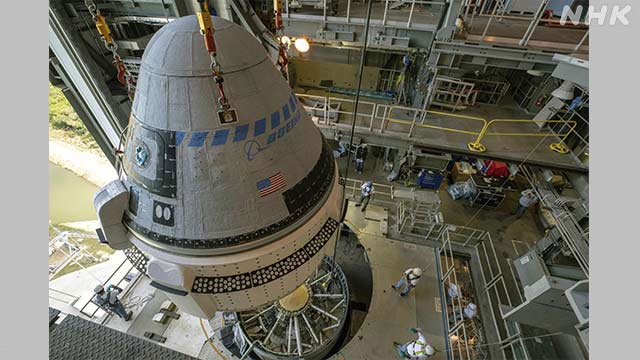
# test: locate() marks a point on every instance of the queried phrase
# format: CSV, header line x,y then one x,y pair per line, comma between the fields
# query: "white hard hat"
x,y
417,271
429,350
98,289
472,306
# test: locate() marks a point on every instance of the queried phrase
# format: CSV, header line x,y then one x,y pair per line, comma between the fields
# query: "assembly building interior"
x,y
322,179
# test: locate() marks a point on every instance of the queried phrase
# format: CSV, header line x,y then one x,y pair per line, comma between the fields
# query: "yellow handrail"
x,y
475,145
559,147
418,111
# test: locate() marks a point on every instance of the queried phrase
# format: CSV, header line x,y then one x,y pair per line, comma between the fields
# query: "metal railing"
x,y
452,93
488,91
117,277
492,289
366,110
398,13
417,216
559,146
382,195
577,141
567,226
326,111
317,107
420,119
464,336
62,296
496,12
389,79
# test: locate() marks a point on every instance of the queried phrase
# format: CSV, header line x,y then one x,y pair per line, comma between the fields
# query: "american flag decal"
x,y
270,185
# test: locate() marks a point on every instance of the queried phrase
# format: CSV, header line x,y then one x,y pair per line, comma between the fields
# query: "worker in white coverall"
x,y
527,199
415,350
365,194
469,312
453,292
108,301
409,280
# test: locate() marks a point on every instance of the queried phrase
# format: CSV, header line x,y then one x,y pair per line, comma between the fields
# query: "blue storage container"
x,y
430,179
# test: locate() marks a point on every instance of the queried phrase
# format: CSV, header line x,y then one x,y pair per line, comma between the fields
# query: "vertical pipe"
x,y
413,123
327,106
486,28
413,3
384,16
581,41
504,9
324,12
532,25
473,16
348,10
373,114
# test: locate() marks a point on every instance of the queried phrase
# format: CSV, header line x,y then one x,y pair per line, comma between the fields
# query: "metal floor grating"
x,y
79,339
53,315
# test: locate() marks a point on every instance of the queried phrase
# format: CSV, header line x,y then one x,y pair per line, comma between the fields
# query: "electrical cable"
x,y
138,301
353,123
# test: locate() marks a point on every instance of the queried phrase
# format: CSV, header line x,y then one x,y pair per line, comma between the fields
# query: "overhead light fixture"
x,y
565,91
302,45
536,73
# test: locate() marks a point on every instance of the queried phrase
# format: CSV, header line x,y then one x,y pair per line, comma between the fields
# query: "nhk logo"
x,y
617,14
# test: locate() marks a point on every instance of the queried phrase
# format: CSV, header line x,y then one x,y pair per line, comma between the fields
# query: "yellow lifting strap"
x,y
103,28
206,26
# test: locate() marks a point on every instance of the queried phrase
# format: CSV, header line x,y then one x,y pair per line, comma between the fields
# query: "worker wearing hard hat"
x,y
108,301
453,292
361,156
365,194
527,199
409,280
469,312
415,350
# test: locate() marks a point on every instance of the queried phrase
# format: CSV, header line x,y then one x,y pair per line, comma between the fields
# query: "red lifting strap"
x,y
209,42
283,56
279,19
121,72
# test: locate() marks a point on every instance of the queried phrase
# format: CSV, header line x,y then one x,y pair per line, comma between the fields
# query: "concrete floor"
x,y
511,237
390,316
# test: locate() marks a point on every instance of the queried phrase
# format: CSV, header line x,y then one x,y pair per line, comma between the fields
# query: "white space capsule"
x,y
220,215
